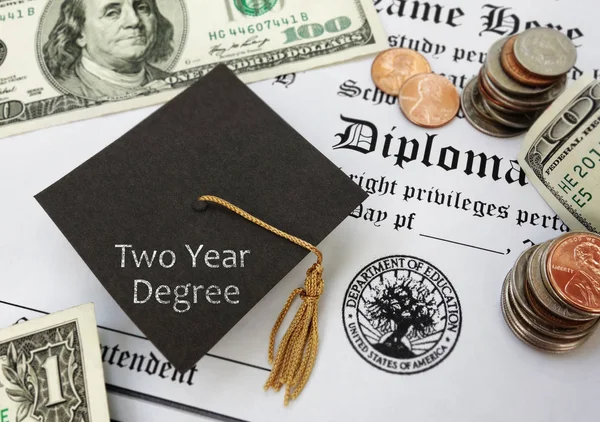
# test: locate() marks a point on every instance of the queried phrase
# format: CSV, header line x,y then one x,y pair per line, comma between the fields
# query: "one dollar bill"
x,y
51,369
561,155
67,60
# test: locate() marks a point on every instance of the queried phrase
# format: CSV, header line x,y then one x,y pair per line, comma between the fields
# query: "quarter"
x,y
494,70
545,52
511,65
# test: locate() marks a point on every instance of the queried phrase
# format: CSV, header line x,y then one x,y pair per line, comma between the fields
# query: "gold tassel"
x,y
297,352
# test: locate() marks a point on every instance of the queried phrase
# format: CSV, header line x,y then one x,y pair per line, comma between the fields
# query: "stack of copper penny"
x,y
425,98
551,298
521,77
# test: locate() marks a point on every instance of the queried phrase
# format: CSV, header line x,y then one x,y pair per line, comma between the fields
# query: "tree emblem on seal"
x,y
406,312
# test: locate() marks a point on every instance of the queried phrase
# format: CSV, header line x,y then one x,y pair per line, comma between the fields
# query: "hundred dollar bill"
x,y
561,155
67,60
51,369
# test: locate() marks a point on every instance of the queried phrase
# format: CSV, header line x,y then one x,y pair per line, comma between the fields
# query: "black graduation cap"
x,y
128,212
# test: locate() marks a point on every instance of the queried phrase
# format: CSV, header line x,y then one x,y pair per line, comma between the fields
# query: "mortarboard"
x,y
131,213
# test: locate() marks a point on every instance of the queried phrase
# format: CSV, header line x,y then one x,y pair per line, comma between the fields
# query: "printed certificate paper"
x,y
448,214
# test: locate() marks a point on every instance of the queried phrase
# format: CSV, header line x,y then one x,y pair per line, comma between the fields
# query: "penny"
x,y
511,65
392,67
429,100
493,69
548,284
573,268
545,298
545,52
479,121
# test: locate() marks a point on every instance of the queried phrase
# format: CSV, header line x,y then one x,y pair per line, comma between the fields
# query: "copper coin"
x,y
539,318
573,268
551,318
392,67
511,65
429,100
493,101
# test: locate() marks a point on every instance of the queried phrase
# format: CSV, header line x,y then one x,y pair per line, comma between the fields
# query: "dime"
x,y
573,268
545,52
511,66
429,100
545,298
479,121
392,67
495,72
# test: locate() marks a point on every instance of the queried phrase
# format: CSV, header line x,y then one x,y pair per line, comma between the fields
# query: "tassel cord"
x,y
296,355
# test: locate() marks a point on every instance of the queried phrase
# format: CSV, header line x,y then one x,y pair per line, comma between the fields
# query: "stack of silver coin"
x,y
551,297
521,77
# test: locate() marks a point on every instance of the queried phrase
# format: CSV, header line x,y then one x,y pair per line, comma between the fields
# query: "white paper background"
x,y
489,376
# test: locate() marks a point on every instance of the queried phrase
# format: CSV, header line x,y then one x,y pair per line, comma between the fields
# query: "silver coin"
x,y
525,334
478,102
545,52
543,326
501,108
495,71
517,121
479,121
539,289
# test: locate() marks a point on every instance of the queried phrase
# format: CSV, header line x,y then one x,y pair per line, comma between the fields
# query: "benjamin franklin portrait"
x,y
103,49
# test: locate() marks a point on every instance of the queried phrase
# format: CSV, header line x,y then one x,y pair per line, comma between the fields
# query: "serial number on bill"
x,y
17,14
258,27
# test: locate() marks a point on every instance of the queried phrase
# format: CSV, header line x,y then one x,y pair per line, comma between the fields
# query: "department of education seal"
x,y
2,52
402,314
254,7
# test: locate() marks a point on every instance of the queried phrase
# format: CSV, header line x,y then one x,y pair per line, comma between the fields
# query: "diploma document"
x,y
449,212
